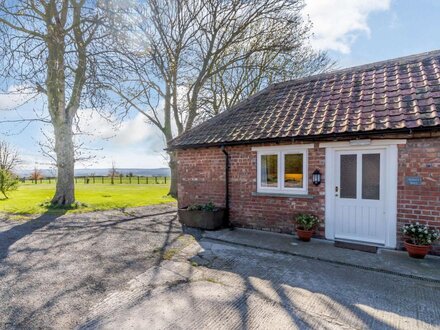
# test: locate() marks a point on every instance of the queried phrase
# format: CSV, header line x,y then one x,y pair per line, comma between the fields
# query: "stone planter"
x,y
208,220
304,235
417,251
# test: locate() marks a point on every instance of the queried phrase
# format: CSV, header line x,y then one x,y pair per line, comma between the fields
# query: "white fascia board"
x,y
288,147
373,143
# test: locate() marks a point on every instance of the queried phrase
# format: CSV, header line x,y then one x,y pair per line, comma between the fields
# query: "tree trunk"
x,y
64,149
173,167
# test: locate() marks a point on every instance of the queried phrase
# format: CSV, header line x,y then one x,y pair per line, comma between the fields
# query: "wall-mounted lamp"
x,y
316,177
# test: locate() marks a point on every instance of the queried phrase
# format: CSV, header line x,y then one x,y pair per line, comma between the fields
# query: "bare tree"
x,y
56,48
36,174
113,173
193,58
9,157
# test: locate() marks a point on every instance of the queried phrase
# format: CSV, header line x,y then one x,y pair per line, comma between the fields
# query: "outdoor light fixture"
x,y
316,177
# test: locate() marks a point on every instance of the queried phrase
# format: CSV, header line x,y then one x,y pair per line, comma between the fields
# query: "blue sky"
x,y
354,32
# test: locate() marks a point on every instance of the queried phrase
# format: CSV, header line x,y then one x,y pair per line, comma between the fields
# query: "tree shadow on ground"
x,y
320,295
56,267
19,231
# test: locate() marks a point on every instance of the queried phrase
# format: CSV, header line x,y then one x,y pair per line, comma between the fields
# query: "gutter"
x,y
226,184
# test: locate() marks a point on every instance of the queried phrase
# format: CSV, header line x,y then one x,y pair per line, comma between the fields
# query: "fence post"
x,y
138,179
155,179
165,179
76,180
49,180
129,179
147,179
102,179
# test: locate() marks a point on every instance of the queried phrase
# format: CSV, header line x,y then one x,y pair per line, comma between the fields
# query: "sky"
x,y
353,32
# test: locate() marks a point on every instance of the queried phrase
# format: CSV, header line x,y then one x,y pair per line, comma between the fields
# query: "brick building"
x,y
372,133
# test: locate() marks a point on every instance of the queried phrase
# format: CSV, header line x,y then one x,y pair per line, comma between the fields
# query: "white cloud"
x,y
130,143
130,131
129,157
134,130
337,23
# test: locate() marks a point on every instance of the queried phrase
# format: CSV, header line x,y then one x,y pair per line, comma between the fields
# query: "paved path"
x,y
389,261
243,288
52,270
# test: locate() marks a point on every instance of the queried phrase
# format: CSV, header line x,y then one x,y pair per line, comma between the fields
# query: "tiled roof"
x,y
403,93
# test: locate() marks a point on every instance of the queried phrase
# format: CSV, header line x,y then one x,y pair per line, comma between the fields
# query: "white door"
x,y
359,213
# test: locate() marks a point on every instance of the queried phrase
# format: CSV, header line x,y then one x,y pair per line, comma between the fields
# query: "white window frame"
x,y
281,151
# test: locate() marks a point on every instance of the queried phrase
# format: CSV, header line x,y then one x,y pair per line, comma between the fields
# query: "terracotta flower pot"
x,y
417,251
304,235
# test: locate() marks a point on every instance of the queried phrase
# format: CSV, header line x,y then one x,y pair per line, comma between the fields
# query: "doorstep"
x,y
387,261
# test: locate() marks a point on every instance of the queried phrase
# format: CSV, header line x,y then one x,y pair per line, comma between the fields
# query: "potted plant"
x,y
419,239
305,226
204,216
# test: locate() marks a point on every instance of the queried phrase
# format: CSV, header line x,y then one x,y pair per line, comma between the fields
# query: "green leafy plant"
x,y
306,221
8,182
210,207
419,234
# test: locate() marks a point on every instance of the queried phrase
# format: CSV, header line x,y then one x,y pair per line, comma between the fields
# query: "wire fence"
x,y
104,180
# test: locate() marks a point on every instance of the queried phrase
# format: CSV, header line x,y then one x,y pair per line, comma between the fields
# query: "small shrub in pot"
x,y
419,239
204,216
305,226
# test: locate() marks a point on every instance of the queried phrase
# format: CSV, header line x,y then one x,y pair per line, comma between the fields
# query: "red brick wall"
x,y
202,175
201,179
419,157
264,212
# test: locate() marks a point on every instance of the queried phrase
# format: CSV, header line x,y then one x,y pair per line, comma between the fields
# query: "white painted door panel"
x,y
359,196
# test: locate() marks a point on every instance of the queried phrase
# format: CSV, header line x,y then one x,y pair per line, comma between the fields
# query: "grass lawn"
x,y
29,197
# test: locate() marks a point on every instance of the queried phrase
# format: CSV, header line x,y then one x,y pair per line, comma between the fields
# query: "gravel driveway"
x,y
136,270
53,269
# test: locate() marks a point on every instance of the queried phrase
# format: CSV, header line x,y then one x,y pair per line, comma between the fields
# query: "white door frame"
x,y
390,184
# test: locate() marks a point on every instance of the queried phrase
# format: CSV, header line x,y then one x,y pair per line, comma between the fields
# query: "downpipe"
x,y
227,166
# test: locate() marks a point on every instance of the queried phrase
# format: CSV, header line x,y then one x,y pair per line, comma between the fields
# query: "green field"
x,y
28,199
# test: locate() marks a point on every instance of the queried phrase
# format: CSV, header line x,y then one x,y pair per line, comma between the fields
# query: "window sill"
x,y
268,194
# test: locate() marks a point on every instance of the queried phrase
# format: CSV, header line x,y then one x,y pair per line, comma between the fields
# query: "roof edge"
x,y
309,137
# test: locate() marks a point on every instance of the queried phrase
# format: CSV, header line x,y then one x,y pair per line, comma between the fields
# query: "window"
x,y
282,170
269,170
293,170
349,171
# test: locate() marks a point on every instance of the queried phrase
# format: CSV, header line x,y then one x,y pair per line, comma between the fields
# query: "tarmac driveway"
x,y
52,270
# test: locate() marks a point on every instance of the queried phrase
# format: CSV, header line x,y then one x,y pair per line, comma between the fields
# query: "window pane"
x,y
269,170
293,171
371,176
348,176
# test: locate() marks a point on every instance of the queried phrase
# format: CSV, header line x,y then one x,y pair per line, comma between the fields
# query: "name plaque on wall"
x,y
413,181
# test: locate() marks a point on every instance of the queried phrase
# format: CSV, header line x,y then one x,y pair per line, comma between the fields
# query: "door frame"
x,y
390,183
